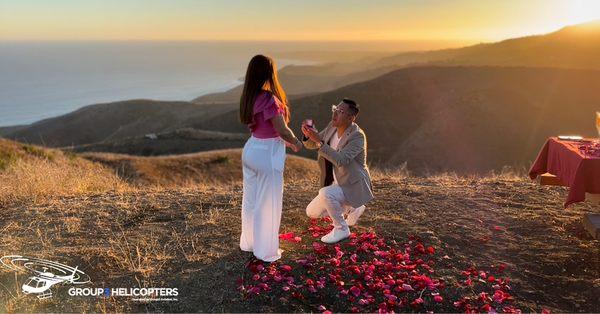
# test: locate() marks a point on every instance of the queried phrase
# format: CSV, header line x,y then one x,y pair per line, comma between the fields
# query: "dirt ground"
x,y
188,238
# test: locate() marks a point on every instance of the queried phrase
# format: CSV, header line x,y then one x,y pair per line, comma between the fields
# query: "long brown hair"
x,y
261,75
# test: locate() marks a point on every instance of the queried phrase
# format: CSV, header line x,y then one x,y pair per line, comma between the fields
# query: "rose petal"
x,y
286,268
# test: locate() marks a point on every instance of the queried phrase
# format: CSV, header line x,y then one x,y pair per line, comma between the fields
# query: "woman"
x,y
264,109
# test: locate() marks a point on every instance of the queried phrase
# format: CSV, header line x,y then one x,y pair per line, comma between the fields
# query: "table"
x,y
574,163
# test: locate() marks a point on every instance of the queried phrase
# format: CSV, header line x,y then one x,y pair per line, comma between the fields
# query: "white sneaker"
x,y
336,235
353,216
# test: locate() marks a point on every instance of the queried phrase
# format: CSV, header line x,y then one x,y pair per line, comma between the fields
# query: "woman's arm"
x,y
285,132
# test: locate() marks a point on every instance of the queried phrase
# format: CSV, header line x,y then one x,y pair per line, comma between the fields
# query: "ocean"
x,y
46,79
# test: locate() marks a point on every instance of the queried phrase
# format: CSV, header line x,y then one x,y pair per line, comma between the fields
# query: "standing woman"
x,y
264,109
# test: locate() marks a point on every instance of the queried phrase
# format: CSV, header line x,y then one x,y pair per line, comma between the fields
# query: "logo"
x,y
43,274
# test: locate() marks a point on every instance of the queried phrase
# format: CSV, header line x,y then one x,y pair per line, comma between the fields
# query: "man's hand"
x,y
311,133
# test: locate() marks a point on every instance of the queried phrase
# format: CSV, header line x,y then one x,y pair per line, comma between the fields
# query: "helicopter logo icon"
x,y
44,274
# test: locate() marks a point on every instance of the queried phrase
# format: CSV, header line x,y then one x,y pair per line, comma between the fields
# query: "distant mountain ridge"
x,y
305,80
114,121
436,117
576,46
464,119
180,141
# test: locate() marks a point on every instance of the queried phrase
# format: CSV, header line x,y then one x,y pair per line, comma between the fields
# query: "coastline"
x,y
187,92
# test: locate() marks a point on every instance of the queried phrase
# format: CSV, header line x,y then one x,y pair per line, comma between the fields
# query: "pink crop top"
x,y
266,106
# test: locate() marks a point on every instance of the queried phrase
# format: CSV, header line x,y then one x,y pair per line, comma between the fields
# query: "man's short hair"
x,y
352,105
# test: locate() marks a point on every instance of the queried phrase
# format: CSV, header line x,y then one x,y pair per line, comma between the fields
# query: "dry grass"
x,y
199,170
36,179
187,236
33,173
144,256
191,247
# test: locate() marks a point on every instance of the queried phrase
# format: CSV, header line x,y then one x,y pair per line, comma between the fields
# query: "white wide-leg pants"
x,y
263,162
330,202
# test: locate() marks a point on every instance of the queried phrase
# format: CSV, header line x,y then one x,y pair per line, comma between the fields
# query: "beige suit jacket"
x,y
349,163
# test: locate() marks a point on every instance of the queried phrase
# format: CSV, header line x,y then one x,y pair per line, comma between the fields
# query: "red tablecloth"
x,y
575,163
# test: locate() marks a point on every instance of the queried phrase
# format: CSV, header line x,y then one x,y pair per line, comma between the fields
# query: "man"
x,y
345,179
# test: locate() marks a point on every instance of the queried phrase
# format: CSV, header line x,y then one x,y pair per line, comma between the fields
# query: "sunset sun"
x,y
581,11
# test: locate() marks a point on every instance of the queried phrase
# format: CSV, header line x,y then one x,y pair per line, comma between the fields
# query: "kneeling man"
x,y
345,179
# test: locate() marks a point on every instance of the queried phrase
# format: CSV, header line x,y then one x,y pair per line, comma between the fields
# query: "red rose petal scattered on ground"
x,y
417,302
367,273
286,268
501,267
290,237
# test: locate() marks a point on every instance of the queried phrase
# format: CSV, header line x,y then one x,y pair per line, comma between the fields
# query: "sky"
x,y
308,20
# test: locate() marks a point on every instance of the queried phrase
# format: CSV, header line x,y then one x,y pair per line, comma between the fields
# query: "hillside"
x,y
469,119
9,129
30,172
180,141
307,79
186,236
576,46
463,119
205,168
114,121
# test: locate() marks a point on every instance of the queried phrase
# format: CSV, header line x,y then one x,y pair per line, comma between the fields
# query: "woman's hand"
x,y
296,147
311,133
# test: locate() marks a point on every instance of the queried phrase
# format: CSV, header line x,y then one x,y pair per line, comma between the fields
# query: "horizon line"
x,y
241,40
464,40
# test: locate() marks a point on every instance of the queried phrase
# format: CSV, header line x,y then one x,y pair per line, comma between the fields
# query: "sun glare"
x,y
581,11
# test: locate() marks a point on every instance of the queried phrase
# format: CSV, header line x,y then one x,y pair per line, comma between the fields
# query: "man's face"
x,y
341,115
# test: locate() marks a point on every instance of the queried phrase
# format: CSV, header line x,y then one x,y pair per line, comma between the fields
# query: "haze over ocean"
x,y
45,79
